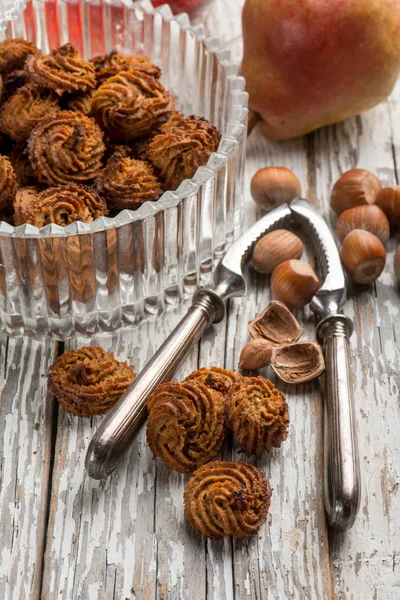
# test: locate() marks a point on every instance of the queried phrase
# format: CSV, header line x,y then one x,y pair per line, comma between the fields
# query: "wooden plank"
x,y
26,420
364,561
101,541
289,557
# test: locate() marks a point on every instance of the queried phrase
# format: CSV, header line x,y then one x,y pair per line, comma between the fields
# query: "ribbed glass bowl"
x,y
114,272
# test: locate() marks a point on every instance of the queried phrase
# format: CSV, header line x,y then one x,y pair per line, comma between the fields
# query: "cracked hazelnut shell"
x,y
276,324
298,362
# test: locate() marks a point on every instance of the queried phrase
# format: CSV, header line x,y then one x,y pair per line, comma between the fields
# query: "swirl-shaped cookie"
x,y
108,65
61,71
61,205
185,425
13,54
8,184
66,147
180,148
215,378
130,104
258,415
227,498
127,183
25,109
89,381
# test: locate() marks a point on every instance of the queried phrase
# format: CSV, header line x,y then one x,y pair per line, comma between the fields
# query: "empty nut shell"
x,y
367,217
130,105
66,147
274,248
363,256
215,378
8,183
61,205
299,362
89,381
128,183
256,354
276,324
388,200
227,498
61,71
13,54
294,283
185,425
25,109
258,415
181,147
355,187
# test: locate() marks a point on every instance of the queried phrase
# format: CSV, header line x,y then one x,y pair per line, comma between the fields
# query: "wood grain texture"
x,y
127,538
26,419
365,561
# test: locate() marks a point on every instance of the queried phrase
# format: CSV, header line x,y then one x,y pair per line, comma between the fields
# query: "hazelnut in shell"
x,y
276,324
397,263
363,256
368,217
256,354
294,283
273,186
388,200
354,188
299,362
274,248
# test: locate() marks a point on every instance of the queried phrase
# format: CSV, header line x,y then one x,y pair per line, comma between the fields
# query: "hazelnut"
x,y
368,217
273,186
388,200
363,256
256,354
397,262
354,188
294,283
299,362
274,248
276,324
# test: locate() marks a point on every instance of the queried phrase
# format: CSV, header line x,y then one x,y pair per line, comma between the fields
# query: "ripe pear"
x,y
309,63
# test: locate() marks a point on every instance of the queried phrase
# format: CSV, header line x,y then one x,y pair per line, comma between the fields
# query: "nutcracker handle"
x,y
341,460
117,431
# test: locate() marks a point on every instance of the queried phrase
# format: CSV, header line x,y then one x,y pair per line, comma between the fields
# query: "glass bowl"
x,y
115,272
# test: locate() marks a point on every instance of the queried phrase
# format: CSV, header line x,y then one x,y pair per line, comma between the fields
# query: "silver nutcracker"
x,y
341,462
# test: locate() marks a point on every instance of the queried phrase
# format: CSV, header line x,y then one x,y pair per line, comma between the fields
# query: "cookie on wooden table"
x,y
89,381
258,415
185,424
227,498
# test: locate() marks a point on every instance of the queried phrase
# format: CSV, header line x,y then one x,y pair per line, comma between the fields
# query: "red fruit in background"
x,y
309,63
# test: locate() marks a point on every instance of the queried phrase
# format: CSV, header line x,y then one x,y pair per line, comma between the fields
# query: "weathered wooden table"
x,y
65,536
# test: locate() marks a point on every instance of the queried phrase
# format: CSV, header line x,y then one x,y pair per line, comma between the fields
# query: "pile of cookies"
x,y
80,139
187,424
